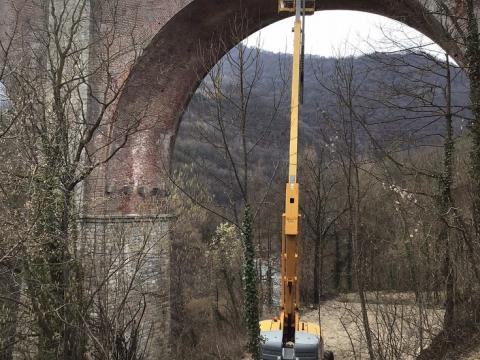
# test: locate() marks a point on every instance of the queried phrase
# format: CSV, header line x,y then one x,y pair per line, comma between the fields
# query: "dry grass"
x,y
207,333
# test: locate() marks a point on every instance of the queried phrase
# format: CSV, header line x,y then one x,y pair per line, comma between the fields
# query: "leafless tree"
x,y
62,96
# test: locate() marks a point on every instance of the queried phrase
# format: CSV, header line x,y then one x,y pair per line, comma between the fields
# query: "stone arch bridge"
x,y
180,41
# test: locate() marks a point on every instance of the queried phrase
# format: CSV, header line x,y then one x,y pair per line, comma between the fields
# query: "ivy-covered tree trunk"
x,y
473,70
445,207
52,273
251,294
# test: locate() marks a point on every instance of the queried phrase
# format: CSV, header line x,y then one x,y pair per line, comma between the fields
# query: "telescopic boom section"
x,y
290,219
295,101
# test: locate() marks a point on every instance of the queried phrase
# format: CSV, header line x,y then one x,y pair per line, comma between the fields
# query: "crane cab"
x,y
289,6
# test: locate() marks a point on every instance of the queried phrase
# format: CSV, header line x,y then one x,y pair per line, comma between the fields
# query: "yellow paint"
x,y
270,325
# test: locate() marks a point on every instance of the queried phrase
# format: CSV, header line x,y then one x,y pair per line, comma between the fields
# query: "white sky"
x,y
331,33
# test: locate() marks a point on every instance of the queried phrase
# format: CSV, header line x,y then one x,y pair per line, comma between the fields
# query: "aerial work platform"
x,y
289,6
289,338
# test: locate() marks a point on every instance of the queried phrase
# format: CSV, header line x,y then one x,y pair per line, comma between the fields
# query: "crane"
x,y
288,337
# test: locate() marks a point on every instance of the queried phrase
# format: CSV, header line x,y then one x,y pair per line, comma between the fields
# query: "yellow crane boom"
x,y
288,337
290,219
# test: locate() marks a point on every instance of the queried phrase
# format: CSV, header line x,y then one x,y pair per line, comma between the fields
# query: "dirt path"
x,y
395,327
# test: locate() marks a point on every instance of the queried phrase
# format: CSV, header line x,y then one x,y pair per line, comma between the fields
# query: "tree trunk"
x,y
11,281
473,69
338,263
251,293
316,270
446,206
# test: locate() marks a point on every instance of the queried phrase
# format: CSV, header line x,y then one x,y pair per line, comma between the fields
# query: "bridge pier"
x,y
127,267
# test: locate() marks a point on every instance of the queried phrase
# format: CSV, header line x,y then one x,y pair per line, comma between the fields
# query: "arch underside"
x,y
190,44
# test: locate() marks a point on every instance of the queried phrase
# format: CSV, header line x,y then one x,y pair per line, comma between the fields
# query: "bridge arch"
x,y
167,74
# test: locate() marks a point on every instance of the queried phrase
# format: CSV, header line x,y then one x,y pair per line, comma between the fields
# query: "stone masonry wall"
x,y
127,262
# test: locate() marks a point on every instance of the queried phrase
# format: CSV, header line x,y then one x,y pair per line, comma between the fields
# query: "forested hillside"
x,y
394,120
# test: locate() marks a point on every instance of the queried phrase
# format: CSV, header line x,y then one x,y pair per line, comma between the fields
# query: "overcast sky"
x,y
330,33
